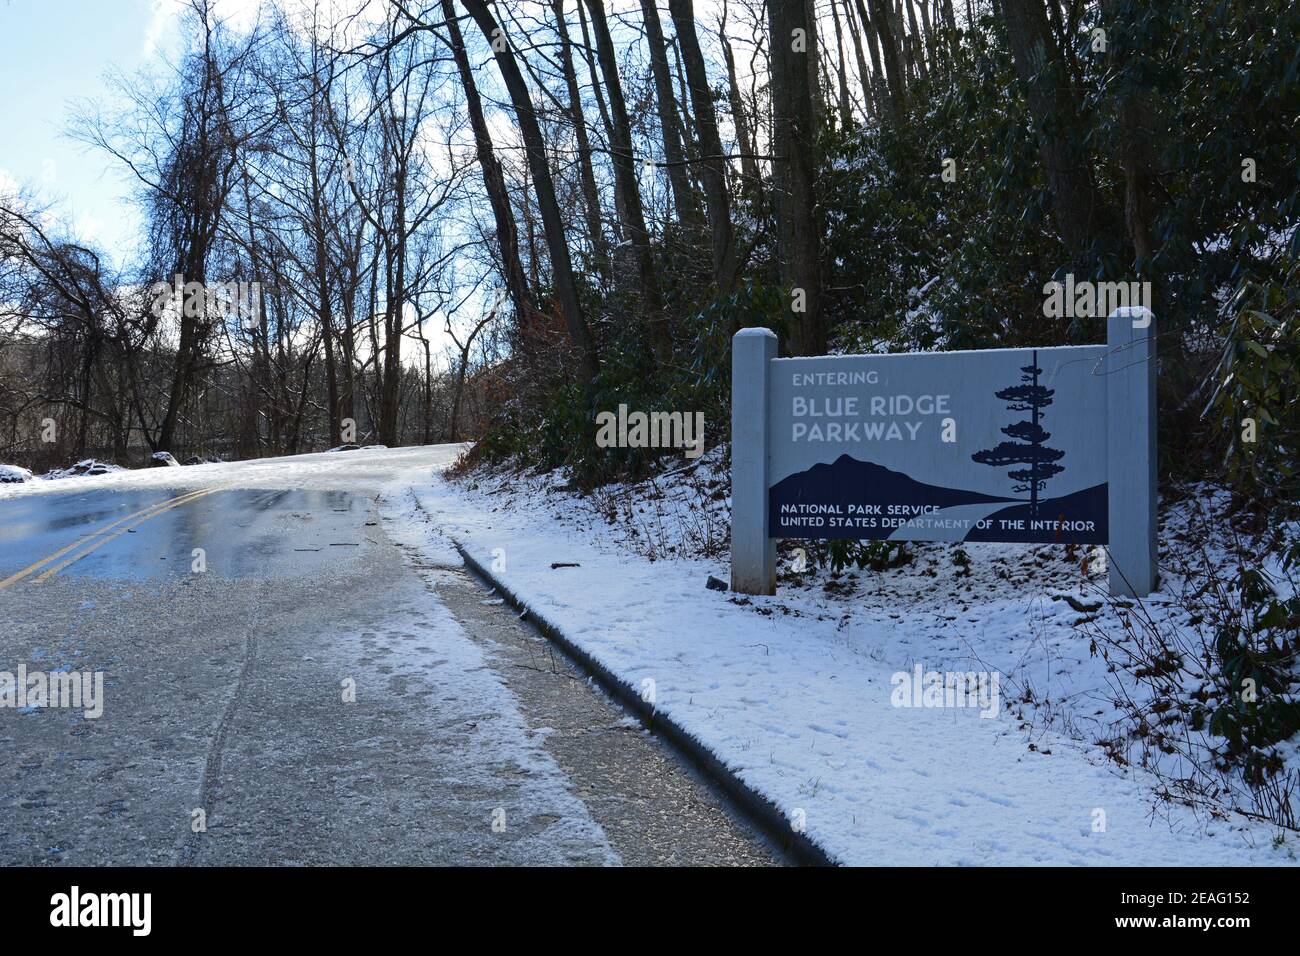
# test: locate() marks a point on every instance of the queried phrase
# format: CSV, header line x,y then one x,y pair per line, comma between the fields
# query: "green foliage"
x,y
556,426
914,262
1256,654
911,261
1257,409
922,263
840,554
1258,395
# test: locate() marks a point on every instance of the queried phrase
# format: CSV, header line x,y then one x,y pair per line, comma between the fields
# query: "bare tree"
x,y
507,235
882,21
544,188
713,164
1077,205
586,171
670,124
625,183
793,165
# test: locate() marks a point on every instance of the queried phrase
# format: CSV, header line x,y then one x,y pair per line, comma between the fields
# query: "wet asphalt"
x,y
286,685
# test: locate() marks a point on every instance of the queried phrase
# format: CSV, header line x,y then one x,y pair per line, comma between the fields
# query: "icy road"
x,y
284,682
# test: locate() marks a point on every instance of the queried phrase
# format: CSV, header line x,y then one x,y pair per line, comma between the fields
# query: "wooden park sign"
x,y
1037,446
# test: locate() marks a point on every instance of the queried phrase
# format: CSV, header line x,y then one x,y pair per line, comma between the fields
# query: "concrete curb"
x,y
766,815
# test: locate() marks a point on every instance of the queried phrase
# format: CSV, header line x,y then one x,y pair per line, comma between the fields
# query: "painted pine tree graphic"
x,y
1029,446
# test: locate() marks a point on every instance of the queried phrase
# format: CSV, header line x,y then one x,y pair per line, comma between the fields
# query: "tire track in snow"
x,y
212,767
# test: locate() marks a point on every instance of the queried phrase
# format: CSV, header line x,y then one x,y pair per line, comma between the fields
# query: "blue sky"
x,y
52,53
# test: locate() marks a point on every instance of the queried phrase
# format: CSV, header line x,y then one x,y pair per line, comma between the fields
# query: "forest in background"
x,y
495,220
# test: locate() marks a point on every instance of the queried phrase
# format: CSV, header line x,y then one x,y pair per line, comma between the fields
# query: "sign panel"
x,y
998,445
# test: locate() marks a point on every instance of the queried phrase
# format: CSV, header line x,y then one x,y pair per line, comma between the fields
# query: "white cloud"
x,y
8,183
87,228
162,31
161,20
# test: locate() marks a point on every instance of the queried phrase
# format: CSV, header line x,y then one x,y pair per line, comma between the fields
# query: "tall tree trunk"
x,y
712,164
845,101
740,117
1076,202
879,86
586,171
927,29
890,51
1135,132
566,287
865,78
670,124
625,182
320,268
690,134
512,268
793,166
347,337
596,88
394,309
325,317
949,17
818,92
598,91
912,42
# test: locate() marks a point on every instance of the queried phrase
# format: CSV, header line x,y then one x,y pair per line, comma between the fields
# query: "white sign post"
x,y
753,551
1131,449
1053,445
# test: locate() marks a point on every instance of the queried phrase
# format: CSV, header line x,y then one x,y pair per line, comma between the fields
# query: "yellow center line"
x,y
100,542
148,512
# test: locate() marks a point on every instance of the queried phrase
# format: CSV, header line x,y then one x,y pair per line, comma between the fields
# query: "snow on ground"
x,y
87,467
477,736
323,469
401,644
793,692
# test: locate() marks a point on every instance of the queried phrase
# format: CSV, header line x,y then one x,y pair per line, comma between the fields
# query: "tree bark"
x,y
597,91
670,124
911,41
566,287
512,267
793,166
1135,132
586,171
712,164
740,117
864,75
845,101
927,29
625,182
1076,203
883,23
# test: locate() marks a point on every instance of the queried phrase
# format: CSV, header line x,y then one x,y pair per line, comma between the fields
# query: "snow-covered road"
x,y
284,682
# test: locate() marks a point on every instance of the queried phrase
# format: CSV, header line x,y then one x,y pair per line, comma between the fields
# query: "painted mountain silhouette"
x,y
1088,505
849,481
